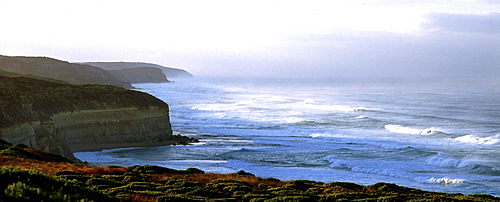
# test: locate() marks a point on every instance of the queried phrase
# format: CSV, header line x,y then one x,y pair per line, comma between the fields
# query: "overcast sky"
x,y
351,38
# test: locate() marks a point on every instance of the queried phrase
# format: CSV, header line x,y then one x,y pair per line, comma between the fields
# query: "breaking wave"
x,y
473,139
445,180
441,160
412,131
385,171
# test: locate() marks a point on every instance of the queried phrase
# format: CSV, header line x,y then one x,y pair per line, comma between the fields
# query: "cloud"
x,y
464,23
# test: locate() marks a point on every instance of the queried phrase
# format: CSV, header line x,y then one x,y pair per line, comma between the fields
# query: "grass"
x,y
24,99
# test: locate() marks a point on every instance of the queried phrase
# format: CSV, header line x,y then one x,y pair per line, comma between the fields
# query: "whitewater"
x,y
436,134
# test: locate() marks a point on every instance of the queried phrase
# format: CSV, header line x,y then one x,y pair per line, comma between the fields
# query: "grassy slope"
x,y
26,178
24,99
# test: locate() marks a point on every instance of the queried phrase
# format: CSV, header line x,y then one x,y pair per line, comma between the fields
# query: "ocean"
x,y
435,134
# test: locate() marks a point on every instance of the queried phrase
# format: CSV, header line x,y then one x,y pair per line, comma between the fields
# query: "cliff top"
x,y
24,99
59,70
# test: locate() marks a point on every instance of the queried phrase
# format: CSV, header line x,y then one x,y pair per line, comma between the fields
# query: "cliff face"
x,y
60,70
57,117
140,75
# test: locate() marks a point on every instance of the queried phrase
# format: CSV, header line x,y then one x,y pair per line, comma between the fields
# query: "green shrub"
x,y
141,186
66,172
102,181
292,199
261,196
4,144
177,190
263,186
345,185
176,198
208,193
302,185
389,187
230,186
195,170
153,170
243,173
79,178
285,191
17,184
116,178
176,182
20,153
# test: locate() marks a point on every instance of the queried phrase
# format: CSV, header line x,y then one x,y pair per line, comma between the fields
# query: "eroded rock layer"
x,y
57,117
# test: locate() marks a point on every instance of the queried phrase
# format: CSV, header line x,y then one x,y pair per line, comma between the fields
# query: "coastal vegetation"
x,y
27,174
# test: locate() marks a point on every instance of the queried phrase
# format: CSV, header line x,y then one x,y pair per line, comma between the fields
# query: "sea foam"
x,y
445,180
412,131
473,139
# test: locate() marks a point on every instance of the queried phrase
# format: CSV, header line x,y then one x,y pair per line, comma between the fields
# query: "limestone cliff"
x,y
56,117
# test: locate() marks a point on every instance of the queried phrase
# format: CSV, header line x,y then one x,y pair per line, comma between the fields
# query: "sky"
x,y
292,39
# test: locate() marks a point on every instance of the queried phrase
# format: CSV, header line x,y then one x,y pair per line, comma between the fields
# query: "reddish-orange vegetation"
x,y
52,167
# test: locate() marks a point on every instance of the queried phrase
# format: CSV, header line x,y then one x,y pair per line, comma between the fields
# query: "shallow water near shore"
x,y
432,134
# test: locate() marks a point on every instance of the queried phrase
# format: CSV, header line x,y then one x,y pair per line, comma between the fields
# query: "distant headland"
x,y
61,107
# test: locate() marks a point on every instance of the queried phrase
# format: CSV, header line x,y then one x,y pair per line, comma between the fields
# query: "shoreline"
x,y
91,147
104,146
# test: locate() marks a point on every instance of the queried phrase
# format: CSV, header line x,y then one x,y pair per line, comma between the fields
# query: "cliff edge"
x,y
140,75
60,118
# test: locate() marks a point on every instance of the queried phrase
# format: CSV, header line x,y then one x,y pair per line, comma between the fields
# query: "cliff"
x,y
140,75
60,118
170,72
60,70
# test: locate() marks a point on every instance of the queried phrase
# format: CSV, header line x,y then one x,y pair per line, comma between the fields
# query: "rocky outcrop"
x,y
60,70
140,75
57,117
170,72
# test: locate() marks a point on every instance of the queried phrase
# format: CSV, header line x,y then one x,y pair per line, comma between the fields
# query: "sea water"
x,y
436,134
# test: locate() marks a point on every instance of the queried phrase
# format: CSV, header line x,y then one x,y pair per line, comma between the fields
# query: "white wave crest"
x,y
412,131
308,101
294,113
341,108
220,114
445,181
293,119
277,98
244,102
323,135
336,163
473,139
361,117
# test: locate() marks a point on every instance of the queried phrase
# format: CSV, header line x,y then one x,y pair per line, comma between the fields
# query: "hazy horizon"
x,y
283,39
